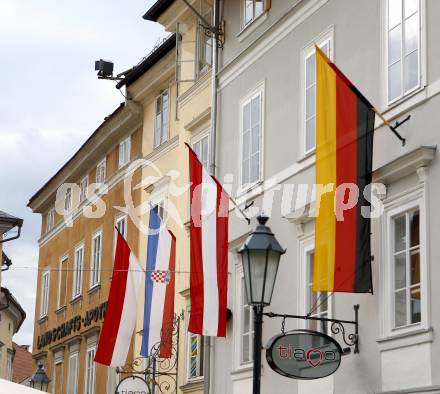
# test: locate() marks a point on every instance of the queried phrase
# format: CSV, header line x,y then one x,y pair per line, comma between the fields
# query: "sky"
x,y
51,101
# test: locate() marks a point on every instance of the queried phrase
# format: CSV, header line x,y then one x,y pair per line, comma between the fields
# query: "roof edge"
x,y
157,9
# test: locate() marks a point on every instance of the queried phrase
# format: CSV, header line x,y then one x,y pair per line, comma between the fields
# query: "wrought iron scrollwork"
x,y
159,373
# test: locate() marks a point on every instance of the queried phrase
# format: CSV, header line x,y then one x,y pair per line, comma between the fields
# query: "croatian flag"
x,y
120,316
159,288
209,206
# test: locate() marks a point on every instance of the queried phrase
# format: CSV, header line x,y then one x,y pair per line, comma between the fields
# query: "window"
x,y
83,185
251,139
406,267
161,119
90,372
68,200
246,328
309,94
124,152
201,148
121,225
317,302
57,381
45,293
100,171
403,38
252,10
9,366
95,272
204,47
78,271
50,219
195,356
62,282
72,381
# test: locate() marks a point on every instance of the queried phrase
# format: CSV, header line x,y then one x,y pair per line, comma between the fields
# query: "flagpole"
x,y
240,210
388,124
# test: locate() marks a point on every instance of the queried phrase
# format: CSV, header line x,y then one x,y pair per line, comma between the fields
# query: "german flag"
x,y
344,152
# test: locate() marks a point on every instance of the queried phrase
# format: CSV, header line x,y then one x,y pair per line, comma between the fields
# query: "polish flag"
x,y
159,288
120,316
209,206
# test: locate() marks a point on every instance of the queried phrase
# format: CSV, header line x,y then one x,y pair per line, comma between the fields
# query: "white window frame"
x,y
198,140
124,152
411,200
260,89
83,188
64,259
55,384
422,56
45,293
72,381
328,36
78,272
101,171
200,339
95,266
118,220
306,247
90,371
245,24
50,221
163,137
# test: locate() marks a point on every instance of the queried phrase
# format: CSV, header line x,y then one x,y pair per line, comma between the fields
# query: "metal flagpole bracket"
x,y
337,326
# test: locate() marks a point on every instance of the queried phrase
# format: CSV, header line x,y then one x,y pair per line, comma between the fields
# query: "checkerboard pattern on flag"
x,y
209,251
120,316
161,276
159,288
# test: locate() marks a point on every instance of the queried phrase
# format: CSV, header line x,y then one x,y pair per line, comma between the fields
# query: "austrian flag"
x,y
209,206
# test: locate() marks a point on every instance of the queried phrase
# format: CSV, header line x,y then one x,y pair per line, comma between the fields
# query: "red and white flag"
x,y
120,316
209,206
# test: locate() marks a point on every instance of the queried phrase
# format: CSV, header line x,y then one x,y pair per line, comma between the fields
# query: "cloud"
x,y
52,101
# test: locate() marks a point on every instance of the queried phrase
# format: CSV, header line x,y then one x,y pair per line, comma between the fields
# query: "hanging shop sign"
x,y
304,354
71,326
133,385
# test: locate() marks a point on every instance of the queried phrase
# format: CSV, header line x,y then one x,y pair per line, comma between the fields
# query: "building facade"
x,y
267,123
12,317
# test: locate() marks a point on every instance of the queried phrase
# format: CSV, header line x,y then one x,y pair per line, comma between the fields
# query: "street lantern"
x,y
39,379
260,256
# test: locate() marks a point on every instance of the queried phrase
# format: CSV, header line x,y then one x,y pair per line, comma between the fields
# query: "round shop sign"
x,y
304,354
132,385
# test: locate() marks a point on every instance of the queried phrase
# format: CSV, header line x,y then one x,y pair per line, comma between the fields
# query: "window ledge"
x,y
305,156
192,385
76,299
247,30
244,372
43,319
94,288
61,309
249,191
409,338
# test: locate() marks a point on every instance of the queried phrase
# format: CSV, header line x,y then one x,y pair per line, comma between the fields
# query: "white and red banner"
x,y
120,316
209,206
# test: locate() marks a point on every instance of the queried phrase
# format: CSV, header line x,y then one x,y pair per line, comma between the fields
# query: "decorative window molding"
x,y
395,210
404,47
101,171
161,118
62,281
45,293
83,188
124,152
78,271
90,371
50,221
95,259
251,157
308,89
